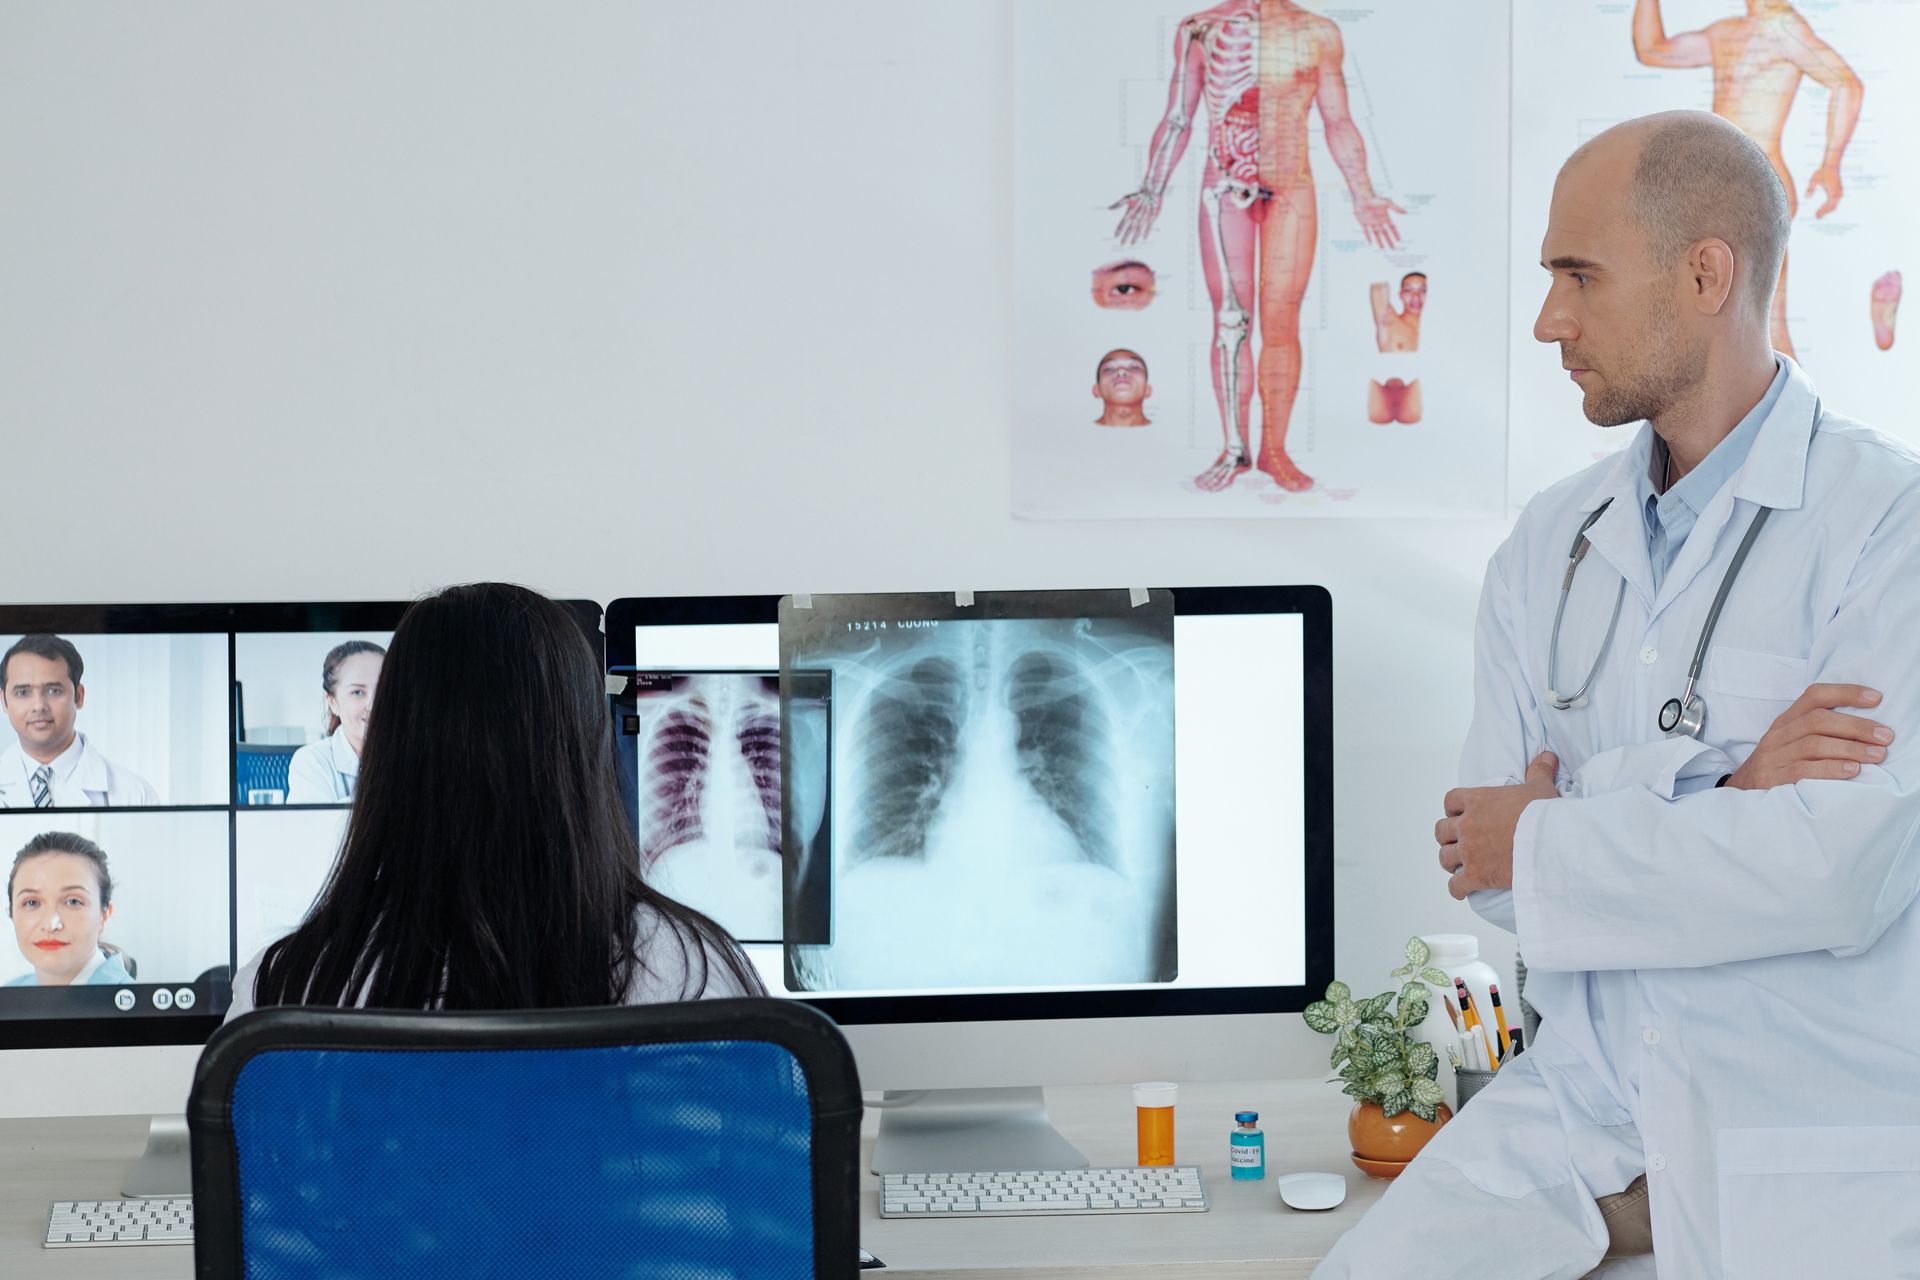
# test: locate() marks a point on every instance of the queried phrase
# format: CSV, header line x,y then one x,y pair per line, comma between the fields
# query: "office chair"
x,y
259,767
712,1138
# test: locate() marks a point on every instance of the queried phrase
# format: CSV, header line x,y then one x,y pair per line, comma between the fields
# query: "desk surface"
x,y
1247,1231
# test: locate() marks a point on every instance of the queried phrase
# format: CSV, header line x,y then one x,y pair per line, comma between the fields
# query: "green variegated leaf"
x,y
1421,1059
1346,1011
1402,971
1427,1111
1338,991
1427,1093
1373,1006
1388,1082
1394,1103
1412,1013
1437,978
1418,952
1319,1016
1339,1056
1414,991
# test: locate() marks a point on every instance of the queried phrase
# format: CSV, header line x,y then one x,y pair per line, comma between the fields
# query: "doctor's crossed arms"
x,y
50,763
1812,739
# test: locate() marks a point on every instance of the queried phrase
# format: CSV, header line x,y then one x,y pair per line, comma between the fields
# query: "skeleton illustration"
x,y
1259,65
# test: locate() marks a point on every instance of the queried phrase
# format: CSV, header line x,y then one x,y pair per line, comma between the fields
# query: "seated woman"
x,y
325,772
60,897
489,862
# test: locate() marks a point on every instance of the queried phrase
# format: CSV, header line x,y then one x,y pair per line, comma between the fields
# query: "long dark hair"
x,y
489,862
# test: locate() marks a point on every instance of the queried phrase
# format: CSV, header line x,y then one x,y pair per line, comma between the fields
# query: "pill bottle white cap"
x,y
1156,1093
1450,949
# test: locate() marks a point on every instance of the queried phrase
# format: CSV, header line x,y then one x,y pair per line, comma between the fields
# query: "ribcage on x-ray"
x,y
910,739
677,765
759,736
1062,746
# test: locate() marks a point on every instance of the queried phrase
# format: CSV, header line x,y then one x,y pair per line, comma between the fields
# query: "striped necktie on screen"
x,y
43,787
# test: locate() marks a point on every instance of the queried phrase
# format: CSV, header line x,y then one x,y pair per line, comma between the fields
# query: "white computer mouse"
x,y
1312,1190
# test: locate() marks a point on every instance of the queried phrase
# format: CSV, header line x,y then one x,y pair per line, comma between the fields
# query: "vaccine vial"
x,y
1248,1147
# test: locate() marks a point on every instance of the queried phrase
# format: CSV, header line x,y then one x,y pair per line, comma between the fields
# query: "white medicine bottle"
x,y
1458,956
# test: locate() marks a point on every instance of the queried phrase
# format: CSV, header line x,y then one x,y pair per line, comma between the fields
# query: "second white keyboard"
x,y
166,1220
1030,1192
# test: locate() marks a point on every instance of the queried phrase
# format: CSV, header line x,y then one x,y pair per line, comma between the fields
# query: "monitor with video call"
x,y
175,782
1081,819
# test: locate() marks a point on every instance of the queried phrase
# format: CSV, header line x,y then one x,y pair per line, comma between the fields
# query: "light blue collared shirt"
x,y
1670,516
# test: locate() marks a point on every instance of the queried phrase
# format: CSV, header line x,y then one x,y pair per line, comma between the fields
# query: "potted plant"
x,y
1392,1077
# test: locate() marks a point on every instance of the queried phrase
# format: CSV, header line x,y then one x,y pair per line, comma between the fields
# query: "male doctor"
x,y
51,764
1725,967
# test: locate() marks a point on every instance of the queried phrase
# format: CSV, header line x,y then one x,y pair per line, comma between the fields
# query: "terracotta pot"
x,y
1382,1147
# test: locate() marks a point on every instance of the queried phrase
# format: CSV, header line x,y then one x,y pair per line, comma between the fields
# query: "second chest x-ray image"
x,y
995,790
709,770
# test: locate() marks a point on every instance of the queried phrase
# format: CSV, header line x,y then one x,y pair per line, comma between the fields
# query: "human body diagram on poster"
x,y
1259,67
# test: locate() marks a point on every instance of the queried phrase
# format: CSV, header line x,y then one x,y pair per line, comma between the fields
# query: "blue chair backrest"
x,y
666,1141
260,768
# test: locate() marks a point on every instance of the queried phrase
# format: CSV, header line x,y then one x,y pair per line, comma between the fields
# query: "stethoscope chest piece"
x,y
1688,719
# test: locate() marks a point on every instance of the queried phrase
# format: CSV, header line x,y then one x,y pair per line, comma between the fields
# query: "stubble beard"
x,y
1666,367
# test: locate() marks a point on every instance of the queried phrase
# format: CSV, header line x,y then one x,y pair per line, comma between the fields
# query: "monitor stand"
x,y
969,1130
165,1168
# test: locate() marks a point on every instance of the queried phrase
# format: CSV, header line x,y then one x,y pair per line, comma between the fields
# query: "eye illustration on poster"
x,y
1000,789
1273,162
1825,89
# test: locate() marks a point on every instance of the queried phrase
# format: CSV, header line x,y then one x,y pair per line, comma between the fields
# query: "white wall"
x,y
347,301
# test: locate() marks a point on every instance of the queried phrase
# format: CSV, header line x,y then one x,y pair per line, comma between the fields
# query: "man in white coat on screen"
x,y
50,764
1707,851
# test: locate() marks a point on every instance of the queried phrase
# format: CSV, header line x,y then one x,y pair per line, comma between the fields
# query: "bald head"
x,y
1695,177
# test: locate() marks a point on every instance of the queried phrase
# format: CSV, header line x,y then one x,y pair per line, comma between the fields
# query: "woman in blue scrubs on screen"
x,y
60,897
489,860
325,772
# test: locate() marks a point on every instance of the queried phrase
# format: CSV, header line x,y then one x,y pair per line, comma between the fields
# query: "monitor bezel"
x,y
1313,604
140,1030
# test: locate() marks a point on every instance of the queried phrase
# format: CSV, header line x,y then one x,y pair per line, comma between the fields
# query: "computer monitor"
x,y
177,778
1251,899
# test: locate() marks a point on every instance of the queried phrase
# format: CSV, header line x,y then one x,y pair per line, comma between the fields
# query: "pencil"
x,y
1475,1023
1451,1011
1499,1015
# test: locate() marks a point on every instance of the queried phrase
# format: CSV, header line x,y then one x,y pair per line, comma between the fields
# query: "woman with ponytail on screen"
x,y
325,772
489,862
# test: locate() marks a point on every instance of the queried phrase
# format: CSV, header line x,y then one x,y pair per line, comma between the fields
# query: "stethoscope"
x,y
1686,715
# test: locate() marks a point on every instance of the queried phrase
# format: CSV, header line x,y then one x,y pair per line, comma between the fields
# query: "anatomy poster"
x,y
1827,89
1260,255
1002,789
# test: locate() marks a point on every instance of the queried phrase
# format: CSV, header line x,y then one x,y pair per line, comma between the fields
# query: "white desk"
x,y
1247,1232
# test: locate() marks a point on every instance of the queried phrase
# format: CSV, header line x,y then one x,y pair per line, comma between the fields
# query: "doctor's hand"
x,y
1476,836
1814,739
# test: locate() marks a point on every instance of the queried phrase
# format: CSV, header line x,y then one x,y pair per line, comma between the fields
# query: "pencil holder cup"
x,y
1468,1082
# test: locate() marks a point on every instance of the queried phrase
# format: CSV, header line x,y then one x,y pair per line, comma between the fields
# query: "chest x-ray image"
x,y
994,790
708,766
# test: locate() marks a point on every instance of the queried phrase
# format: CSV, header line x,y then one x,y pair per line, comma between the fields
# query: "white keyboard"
x,y
1168,1189
167,1220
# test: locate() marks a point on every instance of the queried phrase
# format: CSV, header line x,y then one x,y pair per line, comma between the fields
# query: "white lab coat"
x,y
1734,972
82,779
323,772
